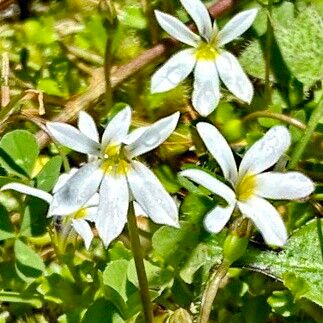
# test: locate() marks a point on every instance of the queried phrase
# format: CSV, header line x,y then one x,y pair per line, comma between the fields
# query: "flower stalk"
x,y
301,145
139,262
269,42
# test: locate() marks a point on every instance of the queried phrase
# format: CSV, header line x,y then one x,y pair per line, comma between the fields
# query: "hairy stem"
x,y
274,115
139,261
211,290
268,48
301,145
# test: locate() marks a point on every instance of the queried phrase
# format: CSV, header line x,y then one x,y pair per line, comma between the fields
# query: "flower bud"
x,y
108,10
234,247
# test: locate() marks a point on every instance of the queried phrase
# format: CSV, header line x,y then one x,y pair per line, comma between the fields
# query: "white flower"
x,y
85,212
250,184
207,58
114,171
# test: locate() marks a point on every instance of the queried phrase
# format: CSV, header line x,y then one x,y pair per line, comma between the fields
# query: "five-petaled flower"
x,y
250,184
207,58
114,172
77,219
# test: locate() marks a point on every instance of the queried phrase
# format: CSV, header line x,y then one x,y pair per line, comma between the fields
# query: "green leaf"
x,y
27,298
47,177
6,228
18,152
34,220
115,276
301,45
299,265
51,87
102,311
28,263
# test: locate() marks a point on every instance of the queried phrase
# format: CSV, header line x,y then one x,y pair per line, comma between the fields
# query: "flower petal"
x,y
84,230
283,186
177,29
219,148
72,138
234,77
134,135
237,26
63,178
113,207
174,71
206,93
211,183
25,189
151,195
91,213
87,126
117,129
217,218
93,201
266,218
265,152
154,135
77,191
197,10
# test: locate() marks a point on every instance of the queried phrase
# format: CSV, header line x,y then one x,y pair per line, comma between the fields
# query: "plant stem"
x,y
139,261
274,115
268,48
211,291
107,72
152,26
301,145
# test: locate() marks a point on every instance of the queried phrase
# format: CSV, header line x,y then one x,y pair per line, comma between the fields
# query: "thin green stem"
x,y
139,261
150,17
268,48
211,290
301,145
275,115
107,72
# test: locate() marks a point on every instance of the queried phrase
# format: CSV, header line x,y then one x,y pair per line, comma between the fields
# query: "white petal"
x,y
63,178
138,210
93,201
219,148
77,191
151,195
211,183
25,189
217,218
117,129
177,29
91,213
174,71
266,219
72,138
237,26
266,151
113,207
154,135
134,135
197,10
283,186
84,230
234,77
206,93
87,126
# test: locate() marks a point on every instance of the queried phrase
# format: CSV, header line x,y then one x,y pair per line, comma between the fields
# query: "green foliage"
x,y
299,265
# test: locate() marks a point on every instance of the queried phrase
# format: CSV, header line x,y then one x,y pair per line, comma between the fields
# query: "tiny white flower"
x,y
207,58
114,171
78,219
250,184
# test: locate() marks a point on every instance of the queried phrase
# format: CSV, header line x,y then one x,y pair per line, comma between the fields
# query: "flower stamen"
x,y
246,187
206,51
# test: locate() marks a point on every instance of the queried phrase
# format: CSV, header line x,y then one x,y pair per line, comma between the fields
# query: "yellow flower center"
x,y
206,51
246,187
80,214
114,160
